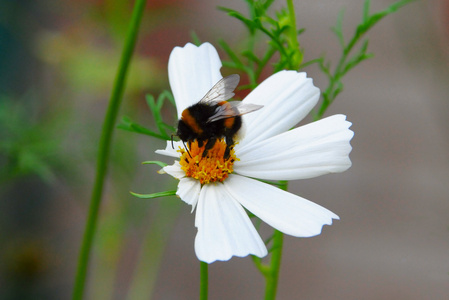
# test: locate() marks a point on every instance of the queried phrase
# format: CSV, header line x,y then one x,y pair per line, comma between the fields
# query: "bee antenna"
x,y
187,149
172,141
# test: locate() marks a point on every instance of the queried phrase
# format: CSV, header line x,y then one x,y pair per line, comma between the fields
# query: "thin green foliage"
x,y
28,143
154,195
195,38
155,107
155,162
282,43
348,59
282,39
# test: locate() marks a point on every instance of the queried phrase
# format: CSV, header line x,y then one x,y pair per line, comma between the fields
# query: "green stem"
x,y
368,22
104,149
292,17
275,40
293,32
204,280
327,95
272,276
272,272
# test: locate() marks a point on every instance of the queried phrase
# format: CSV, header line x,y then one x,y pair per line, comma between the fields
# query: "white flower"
x,y
267,150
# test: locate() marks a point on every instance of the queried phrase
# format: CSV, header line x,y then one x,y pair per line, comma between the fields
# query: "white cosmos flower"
x,y
267,150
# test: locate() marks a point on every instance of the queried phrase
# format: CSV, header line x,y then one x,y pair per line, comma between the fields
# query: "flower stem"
x,y
272,276
296,60
104,149
272,272
204,280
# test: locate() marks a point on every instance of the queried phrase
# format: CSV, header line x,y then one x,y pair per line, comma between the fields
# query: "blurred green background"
x,y
57,64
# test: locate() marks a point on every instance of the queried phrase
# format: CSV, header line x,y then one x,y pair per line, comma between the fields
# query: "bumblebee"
x,y
213,117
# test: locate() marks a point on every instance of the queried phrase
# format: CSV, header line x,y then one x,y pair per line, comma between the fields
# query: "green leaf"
x,y
365,16
155,162
231,65
267,4
311,62
246,86
338,90
356,59
300,31
156,112
251,56
156,107
373,19
237,62
128,125
269,20
250,24
169,127
195,39
325,68
29,162
154,195
338,29
169,96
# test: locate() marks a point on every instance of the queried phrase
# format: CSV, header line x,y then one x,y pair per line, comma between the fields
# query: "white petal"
x,y
224,228
192,72
174,170
171,150
189,191
308,151
287,97
284,211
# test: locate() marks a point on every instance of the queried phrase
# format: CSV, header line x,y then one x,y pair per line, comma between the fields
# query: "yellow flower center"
x,y
211,168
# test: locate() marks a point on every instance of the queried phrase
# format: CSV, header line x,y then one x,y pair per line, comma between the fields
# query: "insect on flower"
x,y
223,190
213,117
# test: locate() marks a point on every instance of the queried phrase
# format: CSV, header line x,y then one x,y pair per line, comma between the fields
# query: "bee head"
x,y
184,132
173,146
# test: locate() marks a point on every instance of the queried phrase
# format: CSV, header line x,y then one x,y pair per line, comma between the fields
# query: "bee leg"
x,y
209,145
229,144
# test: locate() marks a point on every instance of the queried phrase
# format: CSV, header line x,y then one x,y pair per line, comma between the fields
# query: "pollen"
x,y
211,168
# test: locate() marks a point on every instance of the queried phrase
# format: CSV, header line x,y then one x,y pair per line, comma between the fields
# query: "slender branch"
x,y
368,21
104,149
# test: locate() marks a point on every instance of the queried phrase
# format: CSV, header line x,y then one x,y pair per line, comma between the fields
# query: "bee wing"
x,y
222,90
232,109
244,108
